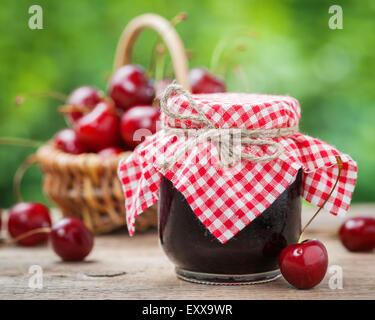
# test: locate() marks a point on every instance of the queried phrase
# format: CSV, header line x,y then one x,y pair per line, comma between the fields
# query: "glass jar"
x,y
250,256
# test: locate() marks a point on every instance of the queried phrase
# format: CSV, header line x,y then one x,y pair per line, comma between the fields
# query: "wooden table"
x,y
121,267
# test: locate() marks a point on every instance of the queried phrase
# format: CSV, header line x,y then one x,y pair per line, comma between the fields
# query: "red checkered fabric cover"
x,y
227,199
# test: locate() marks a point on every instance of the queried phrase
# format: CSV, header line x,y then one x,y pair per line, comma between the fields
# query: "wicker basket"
x,y
86,186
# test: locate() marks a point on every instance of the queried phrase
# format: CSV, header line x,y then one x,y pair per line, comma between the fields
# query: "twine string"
x,y
223,137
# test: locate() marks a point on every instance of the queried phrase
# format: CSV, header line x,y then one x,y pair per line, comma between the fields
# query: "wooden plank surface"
x,y
121,267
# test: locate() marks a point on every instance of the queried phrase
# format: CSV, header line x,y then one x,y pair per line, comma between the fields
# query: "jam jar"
x,y
250,256
228,171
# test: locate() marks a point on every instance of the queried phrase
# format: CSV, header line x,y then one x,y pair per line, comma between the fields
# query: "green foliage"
x,y
291,51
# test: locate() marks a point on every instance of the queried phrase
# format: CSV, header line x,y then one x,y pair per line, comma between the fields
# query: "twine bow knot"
x,y
224,138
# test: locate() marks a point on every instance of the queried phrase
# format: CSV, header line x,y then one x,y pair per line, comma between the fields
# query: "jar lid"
x,y
232,155
235,110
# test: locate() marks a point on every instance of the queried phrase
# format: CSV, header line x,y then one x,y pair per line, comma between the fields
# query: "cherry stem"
x,y
169,71
240,73
229,57
223,44
49,94
19,175
25,235
74,108
182,16
175,20
339,164
20,142
25,165
160,62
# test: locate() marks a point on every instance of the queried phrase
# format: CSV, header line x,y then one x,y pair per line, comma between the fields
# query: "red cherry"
x,y
136,118
27,216
71,240
99,128
129,86
110,151
358,234
202,81
304,265
83,96
67,141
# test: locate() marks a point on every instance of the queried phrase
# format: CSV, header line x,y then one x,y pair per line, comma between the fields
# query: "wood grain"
x,y
121,267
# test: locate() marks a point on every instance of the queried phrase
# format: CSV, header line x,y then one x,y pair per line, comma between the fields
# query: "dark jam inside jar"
x,y
200,257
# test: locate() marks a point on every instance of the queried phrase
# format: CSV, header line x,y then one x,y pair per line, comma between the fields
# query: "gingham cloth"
x,y
226,200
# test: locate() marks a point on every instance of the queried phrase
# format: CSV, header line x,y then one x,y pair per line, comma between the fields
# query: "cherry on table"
x,y
99,128
110,151
67,141
138,122
71,239
304,264
203,81
27,216
129,86
358,234
83,96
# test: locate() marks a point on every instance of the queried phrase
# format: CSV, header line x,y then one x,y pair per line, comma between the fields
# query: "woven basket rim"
x,y
49,153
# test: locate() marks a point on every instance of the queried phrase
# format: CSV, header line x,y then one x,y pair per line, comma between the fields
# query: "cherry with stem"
x,y
71,239
305,263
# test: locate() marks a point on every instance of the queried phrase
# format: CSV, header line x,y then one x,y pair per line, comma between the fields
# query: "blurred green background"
x,y
291,51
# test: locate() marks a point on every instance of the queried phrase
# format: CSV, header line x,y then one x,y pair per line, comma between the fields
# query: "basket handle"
x,y
166,32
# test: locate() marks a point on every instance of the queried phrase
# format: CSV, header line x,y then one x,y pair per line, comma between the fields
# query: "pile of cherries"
x,y
108,125
29,224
